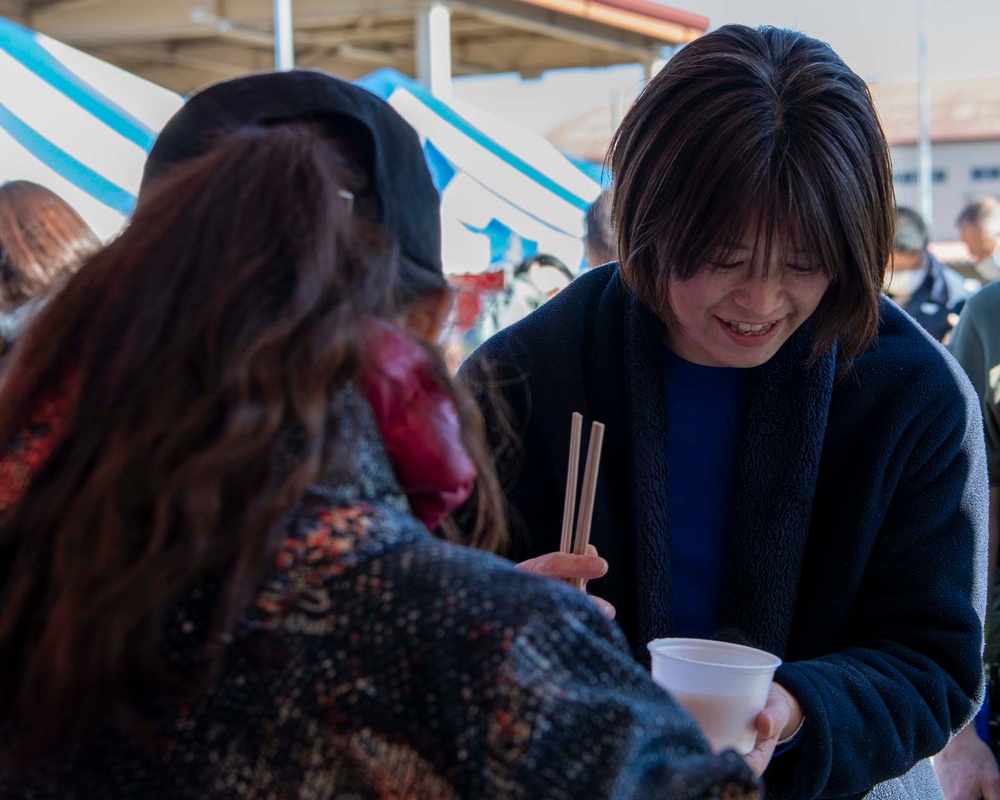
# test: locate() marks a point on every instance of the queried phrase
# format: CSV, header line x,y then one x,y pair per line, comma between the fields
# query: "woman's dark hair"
x,y
762,129
42,240
210,346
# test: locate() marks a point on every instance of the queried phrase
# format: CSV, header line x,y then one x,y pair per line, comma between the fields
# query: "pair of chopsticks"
x,y
578,544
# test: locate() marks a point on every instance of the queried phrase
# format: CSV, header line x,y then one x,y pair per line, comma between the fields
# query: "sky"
x,y
877,39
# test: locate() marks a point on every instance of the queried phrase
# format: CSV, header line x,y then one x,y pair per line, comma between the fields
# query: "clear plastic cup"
x,y
723,686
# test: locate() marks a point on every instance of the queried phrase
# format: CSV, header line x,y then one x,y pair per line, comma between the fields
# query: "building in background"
x,y
965,132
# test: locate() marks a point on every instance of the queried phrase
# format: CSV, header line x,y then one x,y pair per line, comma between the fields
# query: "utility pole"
x,y
926,166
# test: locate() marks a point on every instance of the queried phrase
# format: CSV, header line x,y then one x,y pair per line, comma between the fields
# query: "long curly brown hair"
x,y
211,344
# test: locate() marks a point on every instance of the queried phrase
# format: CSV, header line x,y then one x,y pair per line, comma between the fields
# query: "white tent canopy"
x,y
83,127
505,192
75,124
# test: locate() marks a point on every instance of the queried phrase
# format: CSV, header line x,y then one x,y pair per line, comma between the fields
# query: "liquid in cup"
x,y
723,686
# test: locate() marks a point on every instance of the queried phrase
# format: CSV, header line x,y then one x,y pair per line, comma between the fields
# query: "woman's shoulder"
x,y
904,366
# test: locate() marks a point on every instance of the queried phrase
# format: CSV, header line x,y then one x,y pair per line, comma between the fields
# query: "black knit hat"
x,y
410,205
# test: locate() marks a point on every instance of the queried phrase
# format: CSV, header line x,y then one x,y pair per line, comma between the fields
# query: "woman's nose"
x,y
760,295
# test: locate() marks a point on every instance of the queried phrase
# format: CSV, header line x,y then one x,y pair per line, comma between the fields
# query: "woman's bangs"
x,y
800,226
720,224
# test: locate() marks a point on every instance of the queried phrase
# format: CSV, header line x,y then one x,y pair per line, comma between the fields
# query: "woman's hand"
x,y
966,768
567,566
779,720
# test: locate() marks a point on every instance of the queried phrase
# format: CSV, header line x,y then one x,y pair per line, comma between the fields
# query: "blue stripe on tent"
x,y
502,241
77,173
543,222
22,45
384,81
442,170
500,237
596,172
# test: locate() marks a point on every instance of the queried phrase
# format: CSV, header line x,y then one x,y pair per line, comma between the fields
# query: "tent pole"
x,y
284,44
434,46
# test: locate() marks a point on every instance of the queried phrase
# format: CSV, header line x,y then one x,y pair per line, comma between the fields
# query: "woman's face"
x,y
730,315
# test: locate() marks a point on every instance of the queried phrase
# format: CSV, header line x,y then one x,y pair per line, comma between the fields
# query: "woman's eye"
x,y
725,265
802,269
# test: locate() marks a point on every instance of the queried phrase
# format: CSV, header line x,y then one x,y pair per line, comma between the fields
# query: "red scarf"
x,y
419,425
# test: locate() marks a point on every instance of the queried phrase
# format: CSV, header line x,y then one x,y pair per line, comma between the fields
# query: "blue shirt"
x,y
705,413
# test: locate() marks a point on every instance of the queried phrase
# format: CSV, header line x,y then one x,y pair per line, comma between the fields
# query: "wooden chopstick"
x,y
569,504
587,493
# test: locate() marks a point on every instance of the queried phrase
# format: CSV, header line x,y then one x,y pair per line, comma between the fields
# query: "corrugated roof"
x,y
961,111
638,16
650,8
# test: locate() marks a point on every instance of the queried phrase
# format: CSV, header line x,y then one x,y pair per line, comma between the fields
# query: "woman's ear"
x,y
426,317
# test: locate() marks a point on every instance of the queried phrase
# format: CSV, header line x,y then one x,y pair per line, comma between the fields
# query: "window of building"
x,y
986,173
912,177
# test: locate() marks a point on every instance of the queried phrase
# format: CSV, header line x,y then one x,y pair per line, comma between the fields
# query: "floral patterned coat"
x,y
378,662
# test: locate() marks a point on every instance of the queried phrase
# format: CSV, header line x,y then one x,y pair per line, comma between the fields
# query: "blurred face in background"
x,y
982,244
905,260
979,240
904,273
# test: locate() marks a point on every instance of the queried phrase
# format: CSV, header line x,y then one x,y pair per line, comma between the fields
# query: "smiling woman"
x,y
738,311
789,462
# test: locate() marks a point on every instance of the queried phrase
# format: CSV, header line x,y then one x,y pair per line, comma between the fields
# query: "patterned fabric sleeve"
x,y
26,453
577,717
449,667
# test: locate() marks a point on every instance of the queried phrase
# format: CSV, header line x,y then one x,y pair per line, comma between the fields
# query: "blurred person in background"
x,y
930,292
966,769
536,280
979,226
789,461
545,274
257,611
42,241
533,282
599,240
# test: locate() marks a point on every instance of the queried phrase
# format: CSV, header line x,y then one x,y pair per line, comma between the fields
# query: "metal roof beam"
x,y
560,26
173,57
87,23
131,21
16,10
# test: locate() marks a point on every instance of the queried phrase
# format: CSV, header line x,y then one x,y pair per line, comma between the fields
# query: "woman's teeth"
x,y
746,329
